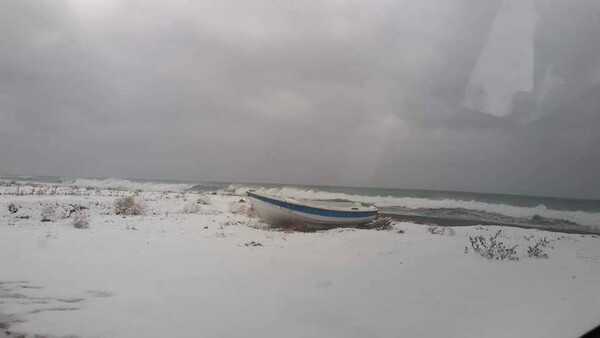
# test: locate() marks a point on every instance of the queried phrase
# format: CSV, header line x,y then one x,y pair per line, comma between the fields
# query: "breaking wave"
x,y
129,184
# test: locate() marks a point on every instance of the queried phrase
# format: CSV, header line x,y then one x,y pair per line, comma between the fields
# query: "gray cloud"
x,y
322,92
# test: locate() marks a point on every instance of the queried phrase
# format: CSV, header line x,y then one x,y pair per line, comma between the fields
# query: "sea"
x,y
436,206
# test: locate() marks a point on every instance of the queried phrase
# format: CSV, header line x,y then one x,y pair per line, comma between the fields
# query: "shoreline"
x,y
457,222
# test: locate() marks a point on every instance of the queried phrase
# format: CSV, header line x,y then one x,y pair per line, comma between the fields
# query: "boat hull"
x,y
283,212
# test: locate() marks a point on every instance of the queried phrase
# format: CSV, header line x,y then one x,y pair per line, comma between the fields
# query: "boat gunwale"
x,y
362,212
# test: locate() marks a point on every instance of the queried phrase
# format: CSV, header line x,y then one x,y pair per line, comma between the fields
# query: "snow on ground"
x,y
187,269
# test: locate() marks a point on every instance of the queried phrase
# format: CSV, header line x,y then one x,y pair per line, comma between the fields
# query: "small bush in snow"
x,y
81,220
128,206
492,248
536,250
191,208
438,230
203,200
240,207
73,208
48,213
12,208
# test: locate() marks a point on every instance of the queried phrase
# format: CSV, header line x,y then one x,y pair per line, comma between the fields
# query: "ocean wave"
x,y
129,184
579,217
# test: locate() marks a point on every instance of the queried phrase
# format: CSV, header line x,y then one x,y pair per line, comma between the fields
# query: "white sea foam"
x,y
129,184
580,217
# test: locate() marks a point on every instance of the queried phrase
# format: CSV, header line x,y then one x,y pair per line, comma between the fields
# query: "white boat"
x,y
282,211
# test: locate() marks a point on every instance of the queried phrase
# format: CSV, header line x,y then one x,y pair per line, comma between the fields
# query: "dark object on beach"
x,y
205,227
279,211
74,208
241,200
213,193
253,243
401,231
12,208
23,217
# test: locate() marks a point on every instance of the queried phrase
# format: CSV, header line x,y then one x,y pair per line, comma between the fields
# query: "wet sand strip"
x,y
457,222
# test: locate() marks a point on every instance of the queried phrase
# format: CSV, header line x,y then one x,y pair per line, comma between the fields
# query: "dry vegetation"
x,y
128,206
48,213
49,189
536,250
81,220
241,207
380,223
493,248
191,208
296,226
440,230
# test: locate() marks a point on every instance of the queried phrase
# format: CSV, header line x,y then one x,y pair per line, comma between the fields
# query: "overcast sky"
x,y
360,93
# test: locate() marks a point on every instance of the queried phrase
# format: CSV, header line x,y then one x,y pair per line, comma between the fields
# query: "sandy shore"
x,y
184,268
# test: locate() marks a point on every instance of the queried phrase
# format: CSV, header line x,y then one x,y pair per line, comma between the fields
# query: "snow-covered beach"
x,y
199,264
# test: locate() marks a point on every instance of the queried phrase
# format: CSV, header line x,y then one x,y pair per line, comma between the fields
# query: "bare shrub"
x,y
493,248
380,223
128,206
439,230
48,213
240,207
81,220
12,208
536,250
73,208
191,208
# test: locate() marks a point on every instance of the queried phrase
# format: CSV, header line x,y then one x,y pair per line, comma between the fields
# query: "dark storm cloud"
x,y
327,92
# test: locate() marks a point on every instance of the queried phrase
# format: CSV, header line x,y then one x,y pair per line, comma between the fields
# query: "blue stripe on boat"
x,y
312,210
